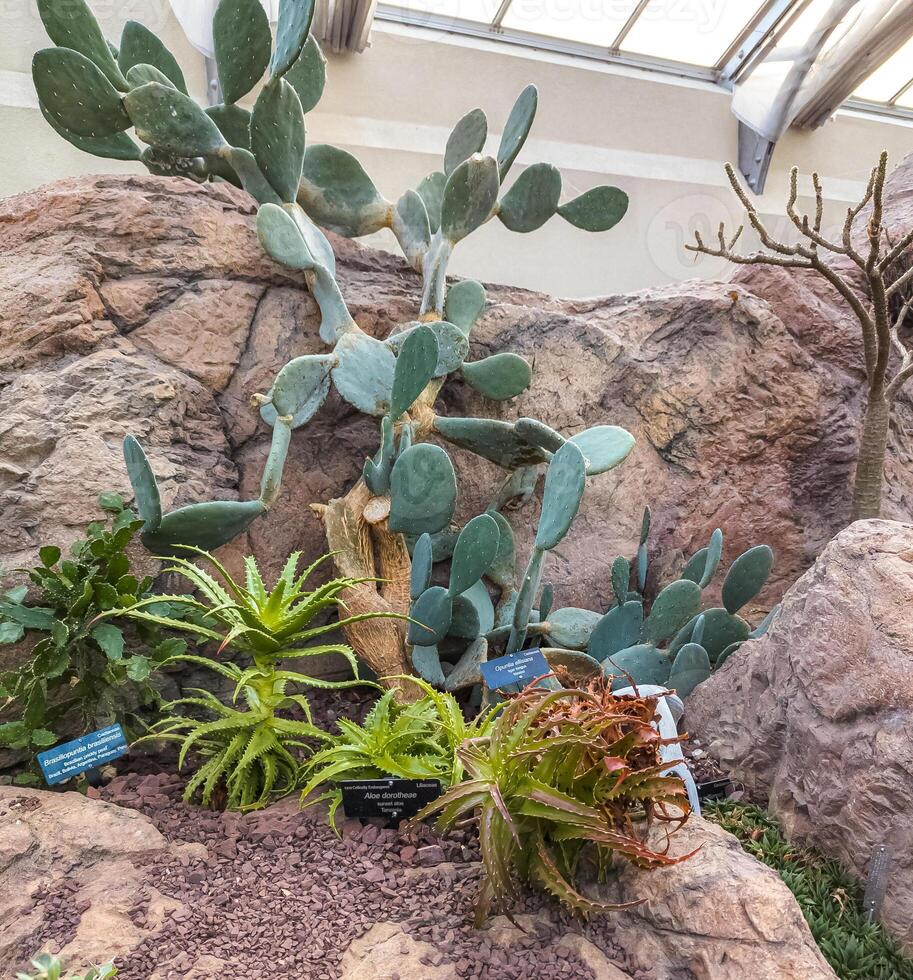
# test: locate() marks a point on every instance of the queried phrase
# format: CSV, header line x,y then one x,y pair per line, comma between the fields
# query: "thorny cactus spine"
x,y
93,94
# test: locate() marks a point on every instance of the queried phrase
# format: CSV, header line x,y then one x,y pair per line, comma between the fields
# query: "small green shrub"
x,y
560,772
48,967
406,741
249,754
830,899
87,663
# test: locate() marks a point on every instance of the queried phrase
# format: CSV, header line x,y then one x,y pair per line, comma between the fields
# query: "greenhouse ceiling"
x,y
717,40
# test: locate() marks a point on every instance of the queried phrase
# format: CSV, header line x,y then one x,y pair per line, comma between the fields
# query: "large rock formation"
x,y
72,879
816,718
146,305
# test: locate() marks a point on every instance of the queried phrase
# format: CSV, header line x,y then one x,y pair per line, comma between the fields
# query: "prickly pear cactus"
x,y
131,102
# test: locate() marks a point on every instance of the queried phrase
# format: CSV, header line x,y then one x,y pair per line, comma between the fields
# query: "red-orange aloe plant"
x,y
561,771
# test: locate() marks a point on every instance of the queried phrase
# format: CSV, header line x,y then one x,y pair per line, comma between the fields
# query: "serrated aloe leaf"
x,y
277,137
476,549
747,576
598,209
641,664
498,377
617,630
470,195
517,128
415,366
72,25
431,191
338,194
364,372
604,447
172,122
427,664
467,137
77,94
432,612
422,564
300,389
243,41
571,627
207,525
292,29
490,438
714,554
139,46
532,199
233,123
690,668
464,304
411,228
423,490
145,487
142,74
116,147
308,75
565,480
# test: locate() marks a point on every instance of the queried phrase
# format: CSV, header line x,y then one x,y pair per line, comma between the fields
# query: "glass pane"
x,y
596,22
885,82
481,11
688,31
812,16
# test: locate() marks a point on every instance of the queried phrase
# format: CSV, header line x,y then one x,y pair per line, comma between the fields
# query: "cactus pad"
x,y
603,447
308,75
422,490
207,526
539,434
597,210
469,197
464,304
532,199
690,668
242,41
415,366
291,33
491,439
171,121
571,627
72,25
300,389
617,630
139,46
467,137
277,137
431,191
338,194
721,629
747,576
642,664
673,607
431,612
565,480
475,550
500,376
145,487
422,564
364,372
517,128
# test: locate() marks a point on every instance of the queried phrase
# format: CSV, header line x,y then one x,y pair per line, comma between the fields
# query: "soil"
x,y
276,893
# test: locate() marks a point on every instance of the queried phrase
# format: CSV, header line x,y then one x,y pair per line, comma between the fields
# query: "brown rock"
x,y
386,952
146,305
95,852
817,717
720,915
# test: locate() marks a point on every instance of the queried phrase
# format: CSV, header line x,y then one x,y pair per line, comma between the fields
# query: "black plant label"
x,y
391,799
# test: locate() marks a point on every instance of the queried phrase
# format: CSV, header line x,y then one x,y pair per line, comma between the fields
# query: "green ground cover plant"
x,y
830,899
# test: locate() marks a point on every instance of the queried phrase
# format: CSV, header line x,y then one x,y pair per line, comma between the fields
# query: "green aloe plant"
x,y
407,741
249,755
558,773
45,966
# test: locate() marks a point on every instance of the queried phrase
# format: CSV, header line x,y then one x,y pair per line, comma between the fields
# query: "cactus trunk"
x,y
869,477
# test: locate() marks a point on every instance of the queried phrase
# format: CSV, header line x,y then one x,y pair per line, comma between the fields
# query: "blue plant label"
x,y
516,668
65,761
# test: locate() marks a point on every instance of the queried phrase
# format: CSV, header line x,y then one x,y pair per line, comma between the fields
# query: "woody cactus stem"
x,y
872,307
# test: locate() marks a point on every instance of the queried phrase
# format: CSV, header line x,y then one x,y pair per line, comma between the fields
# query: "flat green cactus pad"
x,y
233,123
77,94
598,209
139,46
517,128
747,576
539,434
500,376
642,664
145,487
422,564
617,630
172,122
427,664
565,480
468,669
431,191
116,147
208,525
338,194
411,227
571,627
300,389
277,137
464,304
308,75
72,25
431,614
721,629
476,549
603,447
242,41
672,608
690,668
423,490
469,197
295,18
364,372
532,199
467,137
490,438
281,238
415,366
452,344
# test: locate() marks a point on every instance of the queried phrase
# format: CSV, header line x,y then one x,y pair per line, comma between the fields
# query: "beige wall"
x,y
661,139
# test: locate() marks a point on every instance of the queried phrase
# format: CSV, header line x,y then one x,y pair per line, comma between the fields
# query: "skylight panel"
x,y
885,82
693,33
596,22
479,11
